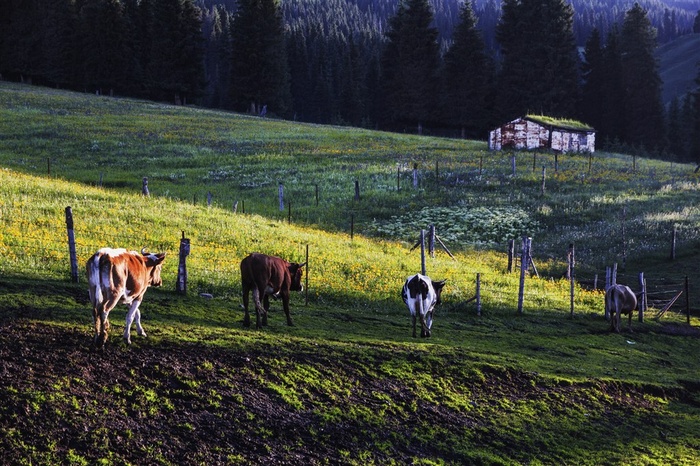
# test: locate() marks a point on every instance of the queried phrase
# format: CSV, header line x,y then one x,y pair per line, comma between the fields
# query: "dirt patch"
x,y
193,404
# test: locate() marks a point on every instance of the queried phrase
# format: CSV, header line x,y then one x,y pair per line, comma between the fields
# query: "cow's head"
x,y
296,273
154,262
438,286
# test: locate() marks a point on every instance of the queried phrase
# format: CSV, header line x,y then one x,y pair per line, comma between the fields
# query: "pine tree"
x,y
410,63
468,78
175,61
260,72
644,124
612,117
103,45
594,74
539,71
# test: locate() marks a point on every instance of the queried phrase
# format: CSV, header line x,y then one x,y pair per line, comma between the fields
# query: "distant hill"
x,y
678,66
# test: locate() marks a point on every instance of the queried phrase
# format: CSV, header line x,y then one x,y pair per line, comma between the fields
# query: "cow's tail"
x,y
93,273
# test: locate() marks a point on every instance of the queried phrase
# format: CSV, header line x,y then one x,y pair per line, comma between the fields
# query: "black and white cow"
x,y
421,294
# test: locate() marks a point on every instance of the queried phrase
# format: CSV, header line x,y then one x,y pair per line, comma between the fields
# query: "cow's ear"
x,y
302,265
439,285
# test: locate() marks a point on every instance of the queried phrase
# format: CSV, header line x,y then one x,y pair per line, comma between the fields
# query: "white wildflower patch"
x,y
460,225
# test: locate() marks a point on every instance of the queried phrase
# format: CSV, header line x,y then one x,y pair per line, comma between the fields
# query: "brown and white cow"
x,y
421,295
120,276
268,276
619,299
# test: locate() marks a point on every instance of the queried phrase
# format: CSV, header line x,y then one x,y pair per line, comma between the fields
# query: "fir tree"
x,y
539,71
410,63
594,75
260,73
612,116
468,78
644,123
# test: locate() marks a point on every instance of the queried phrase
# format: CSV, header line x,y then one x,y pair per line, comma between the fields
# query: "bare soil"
x,y
186,404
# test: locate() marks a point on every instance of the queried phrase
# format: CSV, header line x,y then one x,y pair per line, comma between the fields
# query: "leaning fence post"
x,y
181,282
71,246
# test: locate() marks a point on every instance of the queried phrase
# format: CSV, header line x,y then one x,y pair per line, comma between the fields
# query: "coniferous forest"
x,y
444,67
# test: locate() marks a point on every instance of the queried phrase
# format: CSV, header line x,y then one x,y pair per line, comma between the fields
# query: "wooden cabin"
x,y
540,132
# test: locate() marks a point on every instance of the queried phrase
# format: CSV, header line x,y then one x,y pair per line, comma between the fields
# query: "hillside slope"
x,y
679,62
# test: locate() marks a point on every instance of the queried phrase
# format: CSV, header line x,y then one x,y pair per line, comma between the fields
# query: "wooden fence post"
x,y
544,177
415,175
280,195
524,266
643,298
481,163
478,294
422,252
511,255
572,274
144,188
512,164
673,242
74,277
306,278
209,196
357,190
316,195
431,241
181,282
687,300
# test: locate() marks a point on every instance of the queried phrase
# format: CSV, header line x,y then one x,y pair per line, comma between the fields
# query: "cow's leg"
x,y
266,307
285,306
130,315
424,331
428,323
618,317
137,320
103,315
258,306
413,318
246,318
629,321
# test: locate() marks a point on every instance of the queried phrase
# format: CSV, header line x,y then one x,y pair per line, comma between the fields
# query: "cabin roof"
x,y
563,123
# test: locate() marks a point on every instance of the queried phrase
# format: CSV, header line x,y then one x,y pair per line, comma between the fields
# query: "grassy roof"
x,y
560,122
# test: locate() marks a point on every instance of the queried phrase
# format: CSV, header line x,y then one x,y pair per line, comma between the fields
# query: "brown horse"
x,y
619,299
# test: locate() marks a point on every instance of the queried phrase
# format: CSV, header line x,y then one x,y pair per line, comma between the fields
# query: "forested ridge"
x,y
432,66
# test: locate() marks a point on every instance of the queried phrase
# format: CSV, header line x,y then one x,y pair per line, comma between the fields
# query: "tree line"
x,y
308,62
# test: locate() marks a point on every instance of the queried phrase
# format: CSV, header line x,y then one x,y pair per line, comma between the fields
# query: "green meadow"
x,y
548,385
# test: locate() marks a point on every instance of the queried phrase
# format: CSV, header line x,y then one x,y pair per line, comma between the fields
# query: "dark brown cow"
x,y
268,276
120,276
619,299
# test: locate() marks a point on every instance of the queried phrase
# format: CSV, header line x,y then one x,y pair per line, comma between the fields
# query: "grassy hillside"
x,y
678,66
347,384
